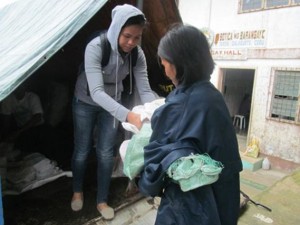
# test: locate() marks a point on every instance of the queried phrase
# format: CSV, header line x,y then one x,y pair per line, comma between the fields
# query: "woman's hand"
x,y
134,119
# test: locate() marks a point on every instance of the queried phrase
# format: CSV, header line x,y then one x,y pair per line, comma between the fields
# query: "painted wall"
x,y
275,44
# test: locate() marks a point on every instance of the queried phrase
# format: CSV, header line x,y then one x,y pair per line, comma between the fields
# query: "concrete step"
x,y
251,163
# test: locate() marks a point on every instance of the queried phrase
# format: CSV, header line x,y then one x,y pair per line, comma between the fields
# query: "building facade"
x,y
256,48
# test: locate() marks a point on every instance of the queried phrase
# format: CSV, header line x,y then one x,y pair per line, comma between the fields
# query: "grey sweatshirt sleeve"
x,y
93,70
141,77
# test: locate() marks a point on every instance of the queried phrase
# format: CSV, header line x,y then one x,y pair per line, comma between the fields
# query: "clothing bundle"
x,y
194,171
146,111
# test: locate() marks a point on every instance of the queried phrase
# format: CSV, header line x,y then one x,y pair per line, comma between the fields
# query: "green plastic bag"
x,y
194,171
134,157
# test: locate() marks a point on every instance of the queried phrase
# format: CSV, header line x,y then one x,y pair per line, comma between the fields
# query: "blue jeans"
x,y
85,118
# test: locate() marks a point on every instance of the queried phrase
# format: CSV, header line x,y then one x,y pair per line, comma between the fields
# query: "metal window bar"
x,y
286,96
276,3
248,5
257,5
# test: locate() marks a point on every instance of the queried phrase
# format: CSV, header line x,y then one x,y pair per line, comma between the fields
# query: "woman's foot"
x,y
77,201
106,211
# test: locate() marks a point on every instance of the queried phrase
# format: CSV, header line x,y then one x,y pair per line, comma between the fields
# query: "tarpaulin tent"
x,y
31,31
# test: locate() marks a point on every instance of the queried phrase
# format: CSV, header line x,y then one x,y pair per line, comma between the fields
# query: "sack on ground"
x,y
252,149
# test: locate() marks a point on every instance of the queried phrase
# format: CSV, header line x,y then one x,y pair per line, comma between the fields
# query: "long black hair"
x,y
186,47
136,20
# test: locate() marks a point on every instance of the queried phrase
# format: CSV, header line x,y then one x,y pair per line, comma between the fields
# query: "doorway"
x,y
237,86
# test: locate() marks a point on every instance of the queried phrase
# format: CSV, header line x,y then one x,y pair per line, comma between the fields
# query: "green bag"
x,y
134,157
194,171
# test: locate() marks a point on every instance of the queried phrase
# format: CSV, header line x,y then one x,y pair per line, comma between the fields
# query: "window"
x,y
251,5
256,5
276,3
286,95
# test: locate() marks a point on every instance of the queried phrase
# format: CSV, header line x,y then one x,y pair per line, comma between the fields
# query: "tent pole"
x,y
140,4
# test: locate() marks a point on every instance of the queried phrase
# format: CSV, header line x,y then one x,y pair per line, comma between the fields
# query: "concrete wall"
x,y
277,46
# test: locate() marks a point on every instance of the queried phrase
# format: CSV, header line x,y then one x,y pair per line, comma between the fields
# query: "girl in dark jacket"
x,y
194,119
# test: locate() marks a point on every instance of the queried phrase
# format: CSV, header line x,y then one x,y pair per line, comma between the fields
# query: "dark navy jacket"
x,y
193,120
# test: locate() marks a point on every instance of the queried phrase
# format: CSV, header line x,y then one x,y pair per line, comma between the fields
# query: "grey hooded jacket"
x,y
105,84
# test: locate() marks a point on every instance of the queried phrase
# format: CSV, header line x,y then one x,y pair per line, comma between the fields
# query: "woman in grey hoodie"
x,y
97,101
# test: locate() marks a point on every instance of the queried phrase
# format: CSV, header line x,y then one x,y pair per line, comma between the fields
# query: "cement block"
x,y
250,163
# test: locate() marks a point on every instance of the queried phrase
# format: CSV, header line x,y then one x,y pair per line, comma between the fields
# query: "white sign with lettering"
x,y
229,54
240,39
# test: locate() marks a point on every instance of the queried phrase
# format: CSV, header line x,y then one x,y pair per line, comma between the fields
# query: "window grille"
x,y
251,5
286,95
275,3
256,5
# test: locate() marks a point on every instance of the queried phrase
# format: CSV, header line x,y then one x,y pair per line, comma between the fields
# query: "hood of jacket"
x,y
120,14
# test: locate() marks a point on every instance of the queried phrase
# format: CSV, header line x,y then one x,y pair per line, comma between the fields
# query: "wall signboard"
x,y
234,45
235,54
240,39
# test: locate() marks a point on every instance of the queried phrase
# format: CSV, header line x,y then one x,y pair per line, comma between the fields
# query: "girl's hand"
x,y
134,119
